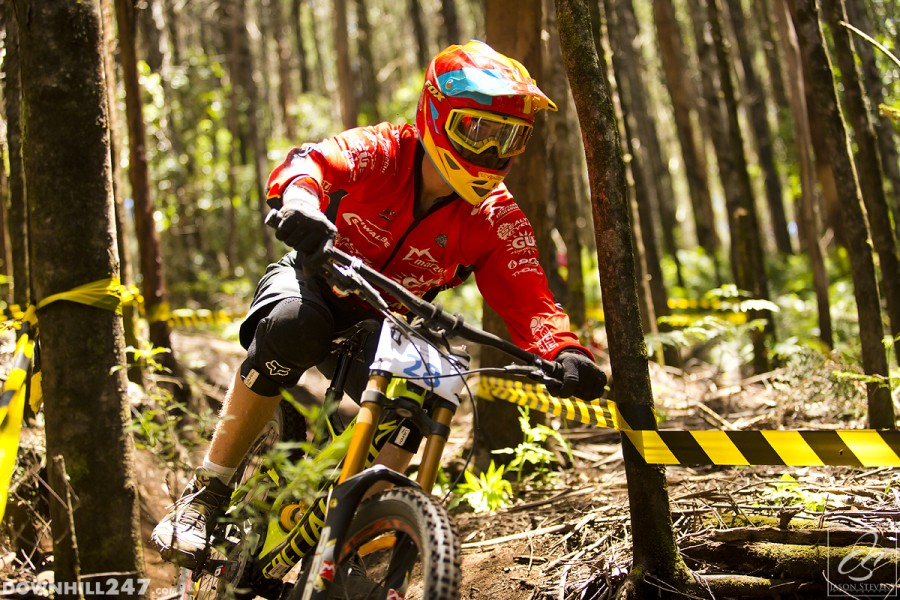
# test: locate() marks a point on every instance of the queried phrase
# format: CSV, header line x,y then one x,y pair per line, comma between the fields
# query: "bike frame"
x,y
422,354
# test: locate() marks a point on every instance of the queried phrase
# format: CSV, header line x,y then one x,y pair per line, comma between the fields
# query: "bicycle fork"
x,y
355,480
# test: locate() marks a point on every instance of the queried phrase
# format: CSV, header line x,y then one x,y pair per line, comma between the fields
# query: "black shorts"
x,y
290,326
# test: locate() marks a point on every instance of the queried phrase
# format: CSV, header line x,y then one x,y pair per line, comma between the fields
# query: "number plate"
x,y
403,355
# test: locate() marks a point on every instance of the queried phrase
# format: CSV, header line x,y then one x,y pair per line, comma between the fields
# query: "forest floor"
x,y
571,539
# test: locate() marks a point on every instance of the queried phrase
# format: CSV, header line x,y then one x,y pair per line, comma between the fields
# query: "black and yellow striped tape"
x,y
599,413
803,448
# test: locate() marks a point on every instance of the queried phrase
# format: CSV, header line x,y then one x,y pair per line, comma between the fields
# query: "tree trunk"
x,y
418,24
684,106
858,14
659,179
746,246
129,310
513,27
369,91
762,11
346,89
156,301
655,551
74,243
18,215
755,101
624,35
299,47
449,23
809,220
564,163
865,286
246,97
285,77
868,164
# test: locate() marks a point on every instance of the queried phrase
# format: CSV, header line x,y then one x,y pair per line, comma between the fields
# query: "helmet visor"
x,y
477,131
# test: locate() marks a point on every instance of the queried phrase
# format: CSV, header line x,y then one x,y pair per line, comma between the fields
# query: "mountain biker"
x,y
418,203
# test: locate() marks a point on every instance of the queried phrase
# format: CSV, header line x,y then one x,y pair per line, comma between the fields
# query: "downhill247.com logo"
x,y
48,589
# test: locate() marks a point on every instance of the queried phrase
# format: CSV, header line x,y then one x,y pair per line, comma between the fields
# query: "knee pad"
x,y
294,336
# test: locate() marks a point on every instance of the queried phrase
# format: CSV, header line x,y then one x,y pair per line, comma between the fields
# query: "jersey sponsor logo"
x,y
370,232
507,230
543,336
495,212
523,266
419,284
422,259
523,242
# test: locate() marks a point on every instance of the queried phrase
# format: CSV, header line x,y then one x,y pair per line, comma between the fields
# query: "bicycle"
x,y
397,543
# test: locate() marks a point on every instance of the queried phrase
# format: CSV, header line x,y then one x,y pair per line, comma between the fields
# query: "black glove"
x,y
581,377
304,228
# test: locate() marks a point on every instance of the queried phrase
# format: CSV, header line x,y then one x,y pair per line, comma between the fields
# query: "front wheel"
x,y
400,544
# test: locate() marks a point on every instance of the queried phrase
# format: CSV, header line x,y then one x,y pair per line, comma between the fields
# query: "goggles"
x,y
478,130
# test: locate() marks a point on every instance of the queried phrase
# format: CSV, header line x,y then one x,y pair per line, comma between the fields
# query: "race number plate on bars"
x,y
412,357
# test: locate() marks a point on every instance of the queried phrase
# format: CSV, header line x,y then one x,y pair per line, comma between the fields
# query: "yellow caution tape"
x,y
12,407
599,413
798,448
803,448
186,317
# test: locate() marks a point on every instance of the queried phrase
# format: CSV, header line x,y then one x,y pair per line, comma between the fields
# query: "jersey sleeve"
x,y
335,163
514,284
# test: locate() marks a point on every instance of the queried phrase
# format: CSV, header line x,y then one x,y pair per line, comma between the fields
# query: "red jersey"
x,y
371,174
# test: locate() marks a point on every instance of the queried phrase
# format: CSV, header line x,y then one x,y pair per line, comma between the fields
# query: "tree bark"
x,y
837,146
684,99
299,47
747,263
809,218
285,76
654,544
129,310
246,96
74,243
513,27
418,24
450,23
346,89
868,165
626,56
858,14
156,301
562,140
755,101
18,215
369,91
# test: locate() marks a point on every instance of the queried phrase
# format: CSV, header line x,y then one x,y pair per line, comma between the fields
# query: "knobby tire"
x,y
424,546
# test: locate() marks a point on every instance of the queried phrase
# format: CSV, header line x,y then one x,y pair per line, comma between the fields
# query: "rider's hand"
x,y
582,378
303,226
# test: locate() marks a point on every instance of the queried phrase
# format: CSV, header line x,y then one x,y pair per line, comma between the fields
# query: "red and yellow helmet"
x,y
475,113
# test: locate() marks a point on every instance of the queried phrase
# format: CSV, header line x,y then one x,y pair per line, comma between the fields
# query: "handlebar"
x,y
359,278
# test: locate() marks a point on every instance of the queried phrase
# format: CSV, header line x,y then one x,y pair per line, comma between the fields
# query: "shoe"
x,y
182,536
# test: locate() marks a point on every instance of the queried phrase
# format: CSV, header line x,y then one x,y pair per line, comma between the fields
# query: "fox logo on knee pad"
x,y
277,370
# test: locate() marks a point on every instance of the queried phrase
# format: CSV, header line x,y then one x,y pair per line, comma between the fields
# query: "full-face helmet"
x,y
476,112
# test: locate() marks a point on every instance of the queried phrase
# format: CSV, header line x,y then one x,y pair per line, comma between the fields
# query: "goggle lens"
x,y
477,131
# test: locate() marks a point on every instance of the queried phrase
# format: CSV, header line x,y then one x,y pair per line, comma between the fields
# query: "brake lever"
x,y
534,373
348,280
